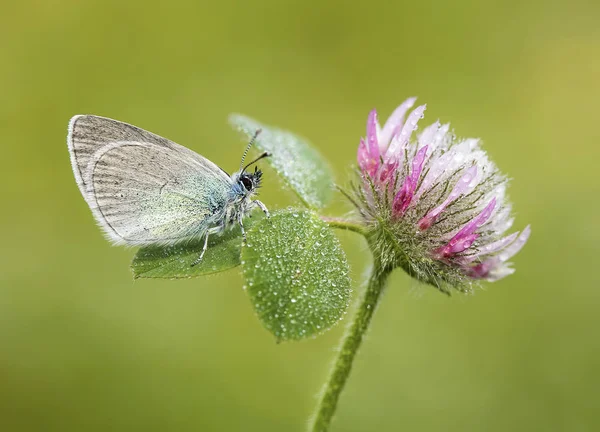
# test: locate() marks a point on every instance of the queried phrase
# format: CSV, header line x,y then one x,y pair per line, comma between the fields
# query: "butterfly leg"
x,y
242,227
241,215
262,207
213,230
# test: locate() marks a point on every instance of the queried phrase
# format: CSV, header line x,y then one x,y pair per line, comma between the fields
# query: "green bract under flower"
x,y
435,204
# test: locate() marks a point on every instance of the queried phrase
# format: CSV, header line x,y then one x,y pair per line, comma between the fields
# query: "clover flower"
x,y
435,204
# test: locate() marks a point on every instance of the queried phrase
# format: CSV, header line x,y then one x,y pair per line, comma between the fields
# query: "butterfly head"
x,y
250,181
247,182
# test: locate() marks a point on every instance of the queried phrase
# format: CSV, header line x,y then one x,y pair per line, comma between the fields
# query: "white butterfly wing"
x,y
144,189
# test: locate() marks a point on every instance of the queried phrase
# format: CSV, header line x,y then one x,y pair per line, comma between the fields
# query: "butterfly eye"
x,y
247,183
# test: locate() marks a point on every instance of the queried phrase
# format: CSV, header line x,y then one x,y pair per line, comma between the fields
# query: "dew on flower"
x,y
439,196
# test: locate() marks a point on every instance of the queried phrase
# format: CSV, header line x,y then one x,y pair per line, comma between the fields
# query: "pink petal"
x,y
466,236
426,137
402,138
368,151
497,245
372,142
516,246
482,270
366,162
405,195
477,222
394,123
494,268
386,171
463,243
459,245
491,270
362,155
417,164
499,272
462,186
402,198
489,249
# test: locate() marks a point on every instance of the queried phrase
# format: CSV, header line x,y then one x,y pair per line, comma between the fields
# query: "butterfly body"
x,y
146,190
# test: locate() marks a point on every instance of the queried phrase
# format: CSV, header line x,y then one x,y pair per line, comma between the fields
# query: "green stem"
x,y
349,347
345,225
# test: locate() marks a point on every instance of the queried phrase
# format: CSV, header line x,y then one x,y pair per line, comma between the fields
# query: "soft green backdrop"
x,y
84,348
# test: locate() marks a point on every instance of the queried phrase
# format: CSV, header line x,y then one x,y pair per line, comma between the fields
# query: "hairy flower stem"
x,y
351,341
345,224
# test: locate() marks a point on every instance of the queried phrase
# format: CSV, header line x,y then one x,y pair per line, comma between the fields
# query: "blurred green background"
x,y
84,348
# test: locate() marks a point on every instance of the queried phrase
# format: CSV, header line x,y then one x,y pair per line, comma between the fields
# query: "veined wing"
x,y
142,188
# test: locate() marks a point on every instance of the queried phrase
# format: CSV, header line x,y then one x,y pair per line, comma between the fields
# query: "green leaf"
x,y
294,159
296,274
174,262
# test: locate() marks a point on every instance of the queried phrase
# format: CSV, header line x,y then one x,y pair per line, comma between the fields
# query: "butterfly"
x,y
147,190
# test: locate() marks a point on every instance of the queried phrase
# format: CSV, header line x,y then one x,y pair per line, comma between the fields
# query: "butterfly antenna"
x,y
262,155
258,131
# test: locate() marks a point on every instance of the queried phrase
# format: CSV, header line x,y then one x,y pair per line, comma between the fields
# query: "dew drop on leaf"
x,y
314,291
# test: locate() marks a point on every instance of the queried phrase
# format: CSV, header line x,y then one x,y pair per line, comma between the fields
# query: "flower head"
x,y
435,203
